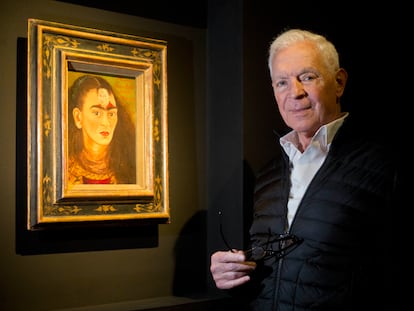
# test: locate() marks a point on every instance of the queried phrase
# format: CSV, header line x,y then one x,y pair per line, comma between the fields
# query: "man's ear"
x,y
341,78
77,117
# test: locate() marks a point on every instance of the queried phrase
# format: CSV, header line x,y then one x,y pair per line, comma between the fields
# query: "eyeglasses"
x,y
286,243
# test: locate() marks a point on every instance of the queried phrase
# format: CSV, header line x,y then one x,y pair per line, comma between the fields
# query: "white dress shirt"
x,y
303,166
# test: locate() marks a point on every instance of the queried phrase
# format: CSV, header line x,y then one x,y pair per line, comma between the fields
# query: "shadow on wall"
x,y
191,258
190,252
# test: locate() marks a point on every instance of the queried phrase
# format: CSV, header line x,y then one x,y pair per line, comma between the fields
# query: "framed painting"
x,y
97,126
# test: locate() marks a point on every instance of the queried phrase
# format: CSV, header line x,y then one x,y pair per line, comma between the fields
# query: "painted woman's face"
x,y
98,117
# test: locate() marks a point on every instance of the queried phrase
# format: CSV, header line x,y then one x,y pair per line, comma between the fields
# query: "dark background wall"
x,y
221,120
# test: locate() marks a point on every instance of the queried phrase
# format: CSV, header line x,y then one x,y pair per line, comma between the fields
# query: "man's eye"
x,y
280,84
307,77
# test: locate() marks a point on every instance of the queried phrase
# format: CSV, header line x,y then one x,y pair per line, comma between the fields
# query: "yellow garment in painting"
x,y
95,174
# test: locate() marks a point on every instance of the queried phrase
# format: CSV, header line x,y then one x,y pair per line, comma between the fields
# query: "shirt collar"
x,y
324,135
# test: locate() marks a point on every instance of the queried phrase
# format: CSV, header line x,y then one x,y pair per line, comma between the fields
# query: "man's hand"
x,y
230,269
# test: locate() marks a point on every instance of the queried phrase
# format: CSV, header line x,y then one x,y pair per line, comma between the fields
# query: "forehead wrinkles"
x,y
297,58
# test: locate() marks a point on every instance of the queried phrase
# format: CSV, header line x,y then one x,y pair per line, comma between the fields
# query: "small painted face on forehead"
x,y
104,99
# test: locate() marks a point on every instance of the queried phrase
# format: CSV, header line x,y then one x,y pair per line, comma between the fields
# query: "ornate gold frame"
x,y
57,54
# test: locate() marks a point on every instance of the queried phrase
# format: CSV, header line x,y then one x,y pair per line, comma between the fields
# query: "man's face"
x,y
305,92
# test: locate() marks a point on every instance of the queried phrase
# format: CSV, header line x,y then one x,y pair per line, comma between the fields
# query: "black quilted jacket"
x,y
345,221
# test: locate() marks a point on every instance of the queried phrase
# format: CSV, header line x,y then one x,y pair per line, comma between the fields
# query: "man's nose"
x,y
296,88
